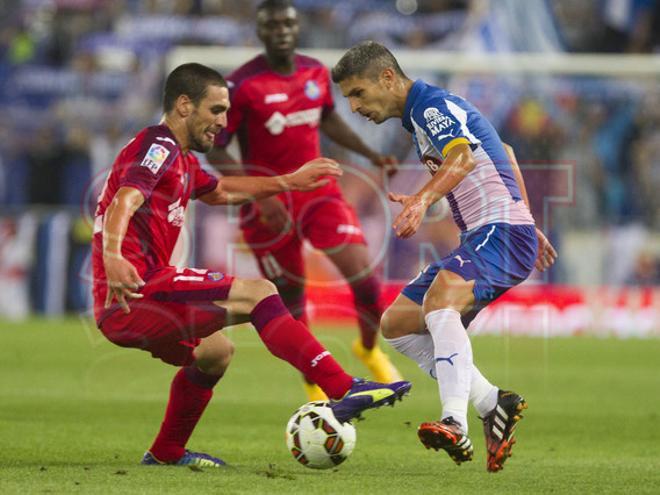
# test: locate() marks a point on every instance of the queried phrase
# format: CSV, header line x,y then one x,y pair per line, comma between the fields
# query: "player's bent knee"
x,y
246,294
394,323
219,363
214,355
224,358
227,351
263,288
387,326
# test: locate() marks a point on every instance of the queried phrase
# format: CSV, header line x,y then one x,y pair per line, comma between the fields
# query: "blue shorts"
x,y
497,256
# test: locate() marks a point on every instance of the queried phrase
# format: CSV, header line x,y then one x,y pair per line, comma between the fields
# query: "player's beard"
x,y
197,142
200,146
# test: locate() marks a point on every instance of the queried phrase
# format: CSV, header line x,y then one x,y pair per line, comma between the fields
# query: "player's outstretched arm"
x,y
272,211
237,190
547,254
123,278
456,166
339,132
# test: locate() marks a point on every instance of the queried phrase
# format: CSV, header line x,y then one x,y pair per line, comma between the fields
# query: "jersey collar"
x,y
415,90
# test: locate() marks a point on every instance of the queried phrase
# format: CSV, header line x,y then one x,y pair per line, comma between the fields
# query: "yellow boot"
x,y
381,368
314,392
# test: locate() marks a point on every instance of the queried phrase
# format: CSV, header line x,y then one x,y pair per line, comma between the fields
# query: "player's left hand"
x,y
408,221
388,163
546,253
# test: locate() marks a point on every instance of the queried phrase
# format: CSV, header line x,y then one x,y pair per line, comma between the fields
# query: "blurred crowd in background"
x,y
79,77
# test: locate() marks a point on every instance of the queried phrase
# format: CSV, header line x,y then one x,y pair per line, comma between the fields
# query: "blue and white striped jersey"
x,y
438,121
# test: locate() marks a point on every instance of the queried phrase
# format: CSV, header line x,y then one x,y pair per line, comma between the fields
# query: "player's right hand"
x,y
123,281
310,175
274,215
411,217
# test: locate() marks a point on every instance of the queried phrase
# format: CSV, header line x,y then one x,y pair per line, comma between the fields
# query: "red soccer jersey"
x,y
153,163
275,116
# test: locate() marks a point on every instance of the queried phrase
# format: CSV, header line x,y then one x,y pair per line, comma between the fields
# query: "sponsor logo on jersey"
x,y
275,98
176,213
445,136
278,122
215,276
155,157
436,122
312,90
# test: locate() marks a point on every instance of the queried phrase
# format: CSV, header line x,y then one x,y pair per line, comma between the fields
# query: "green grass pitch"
x,y
76,414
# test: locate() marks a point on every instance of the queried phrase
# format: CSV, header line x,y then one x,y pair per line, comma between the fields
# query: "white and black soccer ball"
x,y
316,439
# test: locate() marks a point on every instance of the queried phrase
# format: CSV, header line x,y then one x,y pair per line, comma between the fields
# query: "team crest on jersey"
x,y
312,90
436,122
155,157
215,276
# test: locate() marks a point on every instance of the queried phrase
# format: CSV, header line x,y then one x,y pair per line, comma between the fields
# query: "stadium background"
x,y
79,77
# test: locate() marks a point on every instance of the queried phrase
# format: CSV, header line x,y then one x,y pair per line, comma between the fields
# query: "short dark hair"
x,y
367,59
191,80
275,5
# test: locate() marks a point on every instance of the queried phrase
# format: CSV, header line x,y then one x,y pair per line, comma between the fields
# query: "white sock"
x,y
483,394
453,362
418,347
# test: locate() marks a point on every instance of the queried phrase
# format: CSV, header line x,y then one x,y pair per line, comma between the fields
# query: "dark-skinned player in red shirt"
x,y
141,301
280,101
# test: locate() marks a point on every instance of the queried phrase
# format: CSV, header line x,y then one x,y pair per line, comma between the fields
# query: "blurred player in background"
x,y
175,313
280,99
499,243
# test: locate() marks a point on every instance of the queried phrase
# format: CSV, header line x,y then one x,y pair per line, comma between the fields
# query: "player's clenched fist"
x,y
313,174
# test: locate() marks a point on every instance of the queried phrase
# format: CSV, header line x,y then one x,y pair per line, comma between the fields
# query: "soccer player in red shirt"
x,y
175,313
280,100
